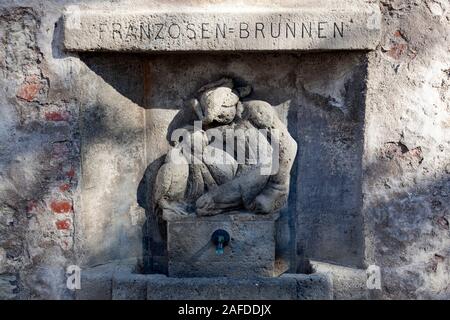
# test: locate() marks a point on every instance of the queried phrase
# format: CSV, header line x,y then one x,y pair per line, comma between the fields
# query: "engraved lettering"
x,y
211,31
243,27
320,29
290,29
205,30
159,27
308,31
174,31
101,29
131,32
272,33
340,31
143,31
221,31
116,26
190,29
259,27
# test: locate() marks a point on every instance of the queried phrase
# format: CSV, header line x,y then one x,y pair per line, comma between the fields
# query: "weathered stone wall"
x,y
39,158
43,145
407,151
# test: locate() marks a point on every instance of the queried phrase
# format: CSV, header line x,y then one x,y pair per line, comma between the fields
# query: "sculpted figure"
x,y
238,158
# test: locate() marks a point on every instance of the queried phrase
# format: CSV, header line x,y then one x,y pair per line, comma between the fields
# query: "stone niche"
x,y
145,72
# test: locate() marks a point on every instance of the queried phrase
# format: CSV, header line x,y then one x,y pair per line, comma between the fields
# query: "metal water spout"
x,y
220,238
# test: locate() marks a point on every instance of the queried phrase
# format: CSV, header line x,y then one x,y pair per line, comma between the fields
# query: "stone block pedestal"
x,y
119,282
250,252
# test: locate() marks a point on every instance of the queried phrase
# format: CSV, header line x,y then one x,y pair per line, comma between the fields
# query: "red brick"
x,y
60,151
62,224
397,50
64,187
398,34
29,89
62,206
65,245
31,206
443,222
70,173
56,116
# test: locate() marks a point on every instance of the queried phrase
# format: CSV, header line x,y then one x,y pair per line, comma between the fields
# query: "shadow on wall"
x,y
330,126
324,110
409,229
96,120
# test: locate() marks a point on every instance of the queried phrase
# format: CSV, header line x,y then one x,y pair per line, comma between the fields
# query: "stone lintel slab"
x,y
287,287
251,251
321,26
108,282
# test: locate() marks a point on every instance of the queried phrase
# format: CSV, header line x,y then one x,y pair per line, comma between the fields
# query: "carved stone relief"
x,y
236,157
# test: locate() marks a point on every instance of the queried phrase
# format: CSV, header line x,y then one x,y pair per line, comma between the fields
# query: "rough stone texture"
x,y
39,156
8,287
112,151
108,281
120,282
251,251
96,283
129,286
317,286
348,283
404,148
407,151
322,25
288,287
